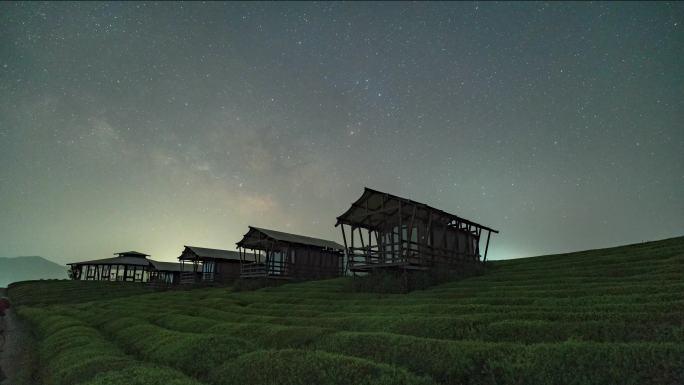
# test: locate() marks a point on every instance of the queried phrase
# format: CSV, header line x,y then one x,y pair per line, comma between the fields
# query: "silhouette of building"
x,y
129,266
204,265
382,231
289,256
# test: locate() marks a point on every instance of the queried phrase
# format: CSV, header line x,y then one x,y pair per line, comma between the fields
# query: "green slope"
x,y
611,316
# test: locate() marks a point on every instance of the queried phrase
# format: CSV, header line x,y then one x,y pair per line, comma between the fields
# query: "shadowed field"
x,y
610,316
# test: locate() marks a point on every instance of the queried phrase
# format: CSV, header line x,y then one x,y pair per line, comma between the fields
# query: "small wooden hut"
x,y
201,264
165,273
130,266
283,255
384,231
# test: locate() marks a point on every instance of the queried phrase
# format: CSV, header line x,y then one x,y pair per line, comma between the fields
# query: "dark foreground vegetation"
x,y
612,316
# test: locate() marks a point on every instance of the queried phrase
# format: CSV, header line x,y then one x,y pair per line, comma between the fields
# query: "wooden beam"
x,y
409,231
363,245
428,238
370,242
369,212
401,234
346,250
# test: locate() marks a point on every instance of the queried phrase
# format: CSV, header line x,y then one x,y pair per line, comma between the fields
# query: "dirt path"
x,y
14,352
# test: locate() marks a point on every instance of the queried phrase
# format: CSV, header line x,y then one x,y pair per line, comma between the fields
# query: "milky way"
x,y
149,126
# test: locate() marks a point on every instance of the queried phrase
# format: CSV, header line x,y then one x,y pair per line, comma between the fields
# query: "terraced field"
x,y
611,316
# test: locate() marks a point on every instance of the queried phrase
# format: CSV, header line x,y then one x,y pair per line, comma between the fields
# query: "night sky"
x,y
149,126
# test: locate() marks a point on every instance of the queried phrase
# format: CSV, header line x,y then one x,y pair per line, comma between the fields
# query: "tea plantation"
x,y
610,316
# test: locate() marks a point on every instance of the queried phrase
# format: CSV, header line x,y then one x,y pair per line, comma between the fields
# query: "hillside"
x,y
17,269
611,316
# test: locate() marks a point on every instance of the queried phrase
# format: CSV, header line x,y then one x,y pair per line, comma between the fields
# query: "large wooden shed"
x,y
165,273
289,256
202,264
384,231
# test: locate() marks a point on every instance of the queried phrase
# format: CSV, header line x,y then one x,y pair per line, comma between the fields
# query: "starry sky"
x,y
149,126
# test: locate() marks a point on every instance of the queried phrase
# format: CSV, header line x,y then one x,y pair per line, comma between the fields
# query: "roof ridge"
x,y
415,203
285,232
296,238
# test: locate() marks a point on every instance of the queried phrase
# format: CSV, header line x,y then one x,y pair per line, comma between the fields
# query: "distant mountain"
x,y
26,268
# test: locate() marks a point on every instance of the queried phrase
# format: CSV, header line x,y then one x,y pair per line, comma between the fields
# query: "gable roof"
x,y
289,238
371,209
230,255
131,261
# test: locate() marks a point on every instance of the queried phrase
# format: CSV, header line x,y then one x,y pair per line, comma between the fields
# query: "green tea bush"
x,y
73,353
180,322
472,362
142,375
176,349
272,336
301,367
446,362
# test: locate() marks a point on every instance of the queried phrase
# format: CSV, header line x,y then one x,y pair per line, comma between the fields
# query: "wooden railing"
x,y
188,277
278,269
272,268
371,255
412,253
253,270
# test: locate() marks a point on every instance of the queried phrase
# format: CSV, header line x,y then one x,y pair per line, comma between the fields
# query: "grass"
x,y
47,292
611,316
291,367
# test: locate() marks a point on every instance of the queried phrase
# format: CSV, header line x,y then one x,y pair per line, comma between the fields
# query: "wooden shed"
x,y
384,231
130,266
289,256
201,264
165,273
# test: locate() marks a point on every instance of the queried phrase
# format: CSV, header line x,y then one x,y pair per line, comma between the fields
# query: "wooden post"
x,y
352,236
380,243
486,247
268,262
370,243
363,245
409,234
392,245
429,244
345,262
401,235
456,243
